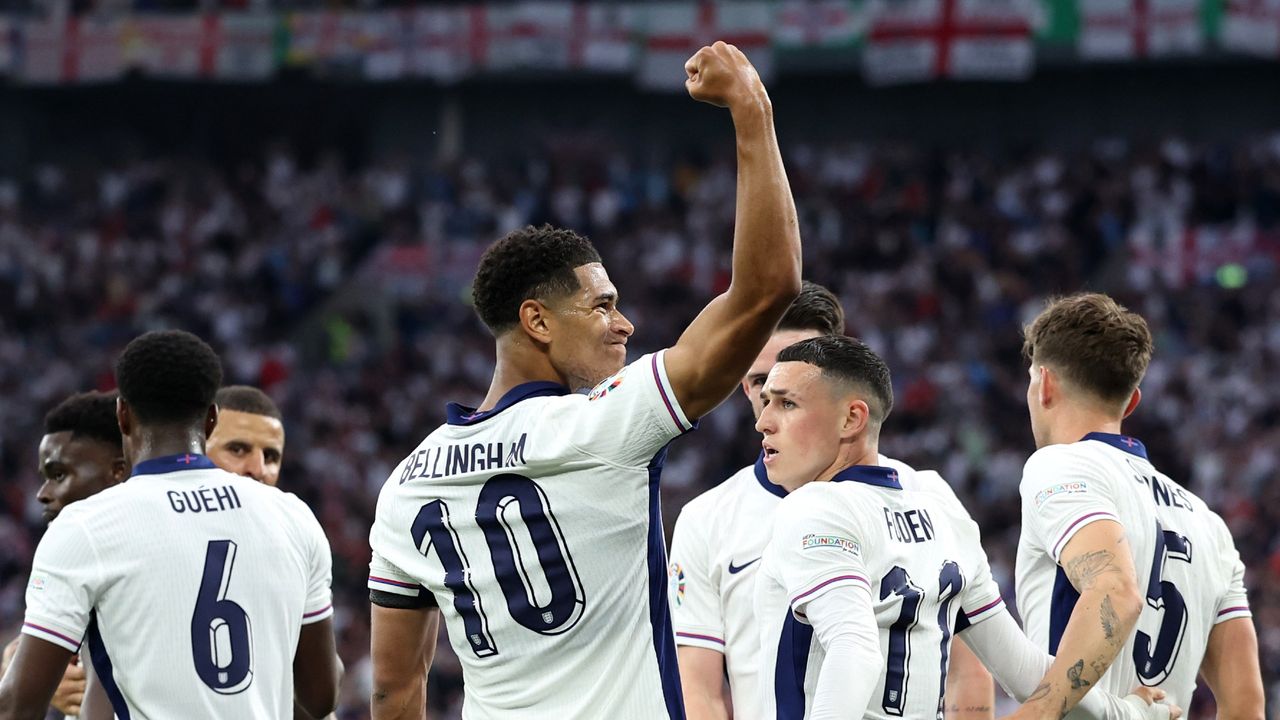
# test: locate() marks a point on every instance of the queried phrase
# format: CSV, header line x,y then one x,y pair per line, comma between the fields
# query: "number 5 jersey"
x,y
189,585
1186,561
535,528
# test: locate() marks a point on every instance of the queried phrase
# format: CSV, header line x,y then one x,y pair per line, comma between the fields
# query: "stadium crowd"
x,y
937,255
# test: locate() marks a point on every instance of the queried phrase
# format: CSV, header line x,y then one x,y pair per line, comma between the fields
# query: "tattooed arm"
x,y
1099,563
970,693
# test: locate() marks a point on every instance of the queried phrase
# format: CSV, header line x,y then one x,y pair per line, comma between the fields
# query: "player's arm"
x,y
713,354
970,692
317,671
32,678
999,644
1230,668
702,680
696,616
844,623
1099,564
402,645
96,705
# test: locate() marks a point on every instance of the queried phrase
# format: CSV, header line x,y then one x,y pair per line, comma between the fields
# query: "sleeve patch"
x,y
676,583
608,385
813,541
1077,486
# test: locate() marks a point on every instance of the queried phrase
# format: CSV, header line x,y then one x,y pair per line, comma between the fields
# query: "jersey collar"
x,y
1131,445
172,463
870,474
458,414
763,477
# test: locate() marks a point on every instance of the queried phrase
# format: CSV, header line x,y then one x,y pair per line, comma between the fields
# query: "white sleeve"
x,y
319,603
1234,602
1019,666
626,419
693,595
1062,492
980,598
65,578
817,546
844,623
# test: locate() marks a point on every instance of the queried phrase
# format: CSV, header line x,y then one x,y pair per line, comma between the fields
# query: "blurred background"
x,y
308,186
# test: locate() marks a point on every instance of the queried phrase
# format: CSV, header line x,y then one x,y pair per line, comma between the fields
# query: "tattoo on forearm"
x,y
1073,674
1039,693
1085,570
1109,618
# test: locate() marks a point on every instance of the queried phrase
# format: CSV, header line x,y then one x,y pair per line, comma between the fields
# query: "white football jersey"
x,y
189,585
719,537
536,529
1185,557
897,534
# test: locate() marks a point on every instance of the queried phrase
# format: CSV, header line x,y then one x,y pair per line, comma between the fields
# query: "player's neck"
x,y
1076,422
862,453
149,444
517,364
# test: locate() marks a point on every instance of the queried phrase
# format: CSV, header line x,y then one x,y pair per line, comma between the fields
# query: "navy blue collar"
x,y
172,463
462,415
1131,445
763,477
871,475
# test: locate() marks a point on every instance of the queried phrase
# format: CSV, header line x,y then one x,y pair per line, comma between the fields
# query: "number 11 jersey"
x,y
535,528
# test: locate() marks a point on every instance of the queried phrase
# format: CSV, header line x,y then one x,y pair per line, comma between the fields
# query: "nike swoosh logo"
x,y
735,569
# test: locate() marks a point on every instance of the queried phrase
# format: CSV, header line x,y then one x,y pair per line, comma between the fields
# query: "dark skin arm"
x,y
1230,668
402,646
317,671
32,678
717,349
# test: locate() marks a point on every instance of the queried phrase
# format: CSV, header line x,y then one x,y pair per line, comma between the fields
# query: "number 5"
x,y
1155,660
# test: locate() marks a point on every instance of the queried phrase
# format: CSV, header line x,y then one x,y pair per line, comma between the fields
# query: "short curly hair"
x,y
168,376
247,399
89,414
817,309
1095,342
848,360
529,263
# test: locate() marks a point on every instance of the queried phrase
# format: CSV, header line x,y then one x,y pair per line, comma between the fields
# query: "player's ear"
x,y
856,419
210,420
1049,387
119,470
1134,399
535,321
124,417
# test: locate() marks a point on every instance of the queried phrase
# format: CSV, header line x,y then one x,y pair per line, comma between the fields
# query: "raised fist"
x,y
721,75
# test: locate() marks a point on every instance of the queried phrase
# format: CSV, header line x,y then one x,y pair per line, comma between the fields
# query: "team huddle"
x,y
823,581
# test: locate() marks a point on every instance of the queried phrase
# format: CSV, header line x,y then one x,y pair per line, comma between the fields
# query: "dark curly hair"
x,y
848,360
168,376
817,308
246,399
90,414
533,262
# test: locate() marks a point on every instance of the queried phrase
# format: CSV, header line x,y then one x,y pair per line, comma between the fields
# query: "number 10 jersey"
x,y
535,527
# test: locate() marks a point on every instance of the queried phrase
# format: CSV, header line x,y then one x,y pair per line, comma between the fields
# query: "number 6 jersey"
x,y
189,585
535,528
1186,561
